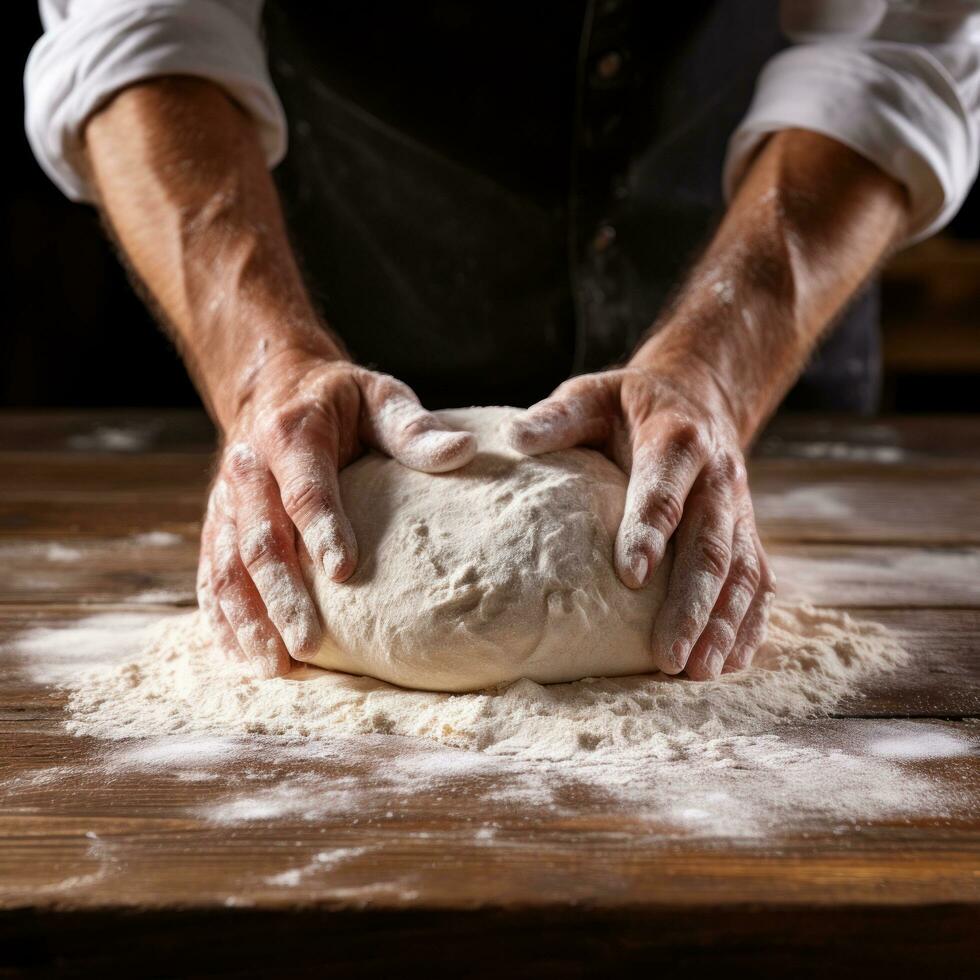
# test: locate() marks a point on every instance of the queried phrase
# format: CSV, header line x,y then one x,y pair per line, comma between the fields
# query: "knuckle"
x,y
687,440
222,581
391,387
662,511
219,503
722,632
714,555
573,388
260,545
280,426
416,425
729,469
303,497
240,461
767,583
223,577
745,571
689,626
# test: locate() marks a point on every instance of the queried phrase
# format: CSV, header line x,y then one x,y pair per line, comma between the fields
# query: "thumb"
x,y
398,425
570,417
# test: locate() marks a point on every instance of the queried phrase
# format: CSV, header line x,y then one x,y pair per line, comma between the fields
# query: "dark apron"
x,y
489,197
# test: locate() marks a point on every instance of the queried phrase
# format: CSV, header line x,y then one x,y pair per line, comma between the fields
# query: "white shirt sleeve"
x,y
898,83
91,49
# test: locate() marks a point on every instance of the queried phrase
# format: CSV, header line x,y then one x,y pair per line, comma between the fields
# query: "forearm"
x,y
808,225
182,181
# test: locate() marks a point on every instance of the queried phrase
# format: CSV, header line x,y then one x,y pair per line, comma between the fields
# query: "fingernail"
x,y
639,566
517,434
261,669
336,565
713,662
439,450
301,639
674,660
678,654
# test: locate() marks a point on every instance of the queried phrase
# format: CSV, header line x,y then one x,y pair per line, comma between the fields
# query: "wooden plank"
x,y
807,436
882,441
152,568
102,515
160,569
798,502
842,502
77,828
875,576
56,476
450,862
114,430
942,678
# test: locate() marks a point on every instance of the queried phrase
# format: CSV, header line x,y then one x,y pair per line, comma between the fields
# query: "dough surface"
x,y
479,577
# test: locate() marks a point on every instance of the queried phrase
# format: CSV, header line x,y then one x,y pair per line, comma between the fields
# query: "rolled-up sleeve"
x,y
91,49
906,96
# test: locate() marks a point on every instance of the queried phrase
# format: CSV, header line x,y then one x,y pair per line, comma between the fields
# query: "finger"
x,y
665,466
710,653
573,416
702,555
265,544
243,608
755,625
303,461
221,633
396,423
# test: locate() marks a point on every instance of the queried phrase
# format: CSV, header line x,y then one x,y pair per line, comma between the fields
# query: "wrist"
x,y
670,352
231,374
734,334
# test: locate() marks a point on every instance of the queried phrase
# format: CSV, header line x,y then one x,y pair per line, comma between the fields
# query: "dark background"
x,y
77,335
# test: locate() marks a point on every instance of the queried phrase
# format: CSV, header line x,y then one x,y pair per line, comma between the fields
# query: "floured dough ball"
x,y
493,572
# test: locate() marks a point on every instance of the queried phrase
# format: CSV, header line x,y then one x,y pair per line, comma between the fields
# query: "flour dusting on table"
x,y
178,684
732,757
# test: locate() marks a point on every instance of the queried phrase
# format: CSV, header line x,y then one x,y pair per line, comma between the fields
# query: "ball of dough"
x,y
487,574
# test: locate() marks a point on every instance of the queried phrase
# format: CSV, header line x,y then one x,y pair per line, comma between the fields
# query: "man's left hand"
x,y
679,445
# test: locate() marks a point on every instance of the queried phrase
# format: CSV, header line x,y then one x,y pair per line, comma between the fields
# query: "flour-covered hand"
x,y
676,440
276,496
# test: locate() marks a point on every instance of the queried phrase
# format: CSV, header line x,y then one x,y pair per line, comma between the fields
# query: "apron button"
x,y
609,66
604,237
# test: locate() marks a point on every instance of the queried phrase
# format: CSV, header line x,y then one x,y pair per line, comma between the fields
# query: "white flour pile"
x,y
178,685
672,759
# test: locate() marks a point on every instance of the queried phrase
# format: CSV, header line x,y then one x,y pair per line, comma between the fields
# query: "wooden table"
x,y
104,870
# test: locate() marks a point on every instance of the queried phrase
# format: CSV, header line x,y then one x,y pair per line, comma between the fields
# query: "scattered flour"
x,y
320,862
826,502
909,742
116,438
730,758
56,654
156,539
62,553
176,685
841,451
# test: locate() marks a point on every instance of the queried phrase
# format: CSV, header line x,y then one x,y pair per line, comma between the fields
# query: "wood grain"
x,y
94,569
881,518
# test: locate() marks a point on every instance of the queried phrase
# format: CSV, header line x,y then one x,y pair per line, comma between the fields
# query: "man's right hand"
x,y
181,176
276,496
